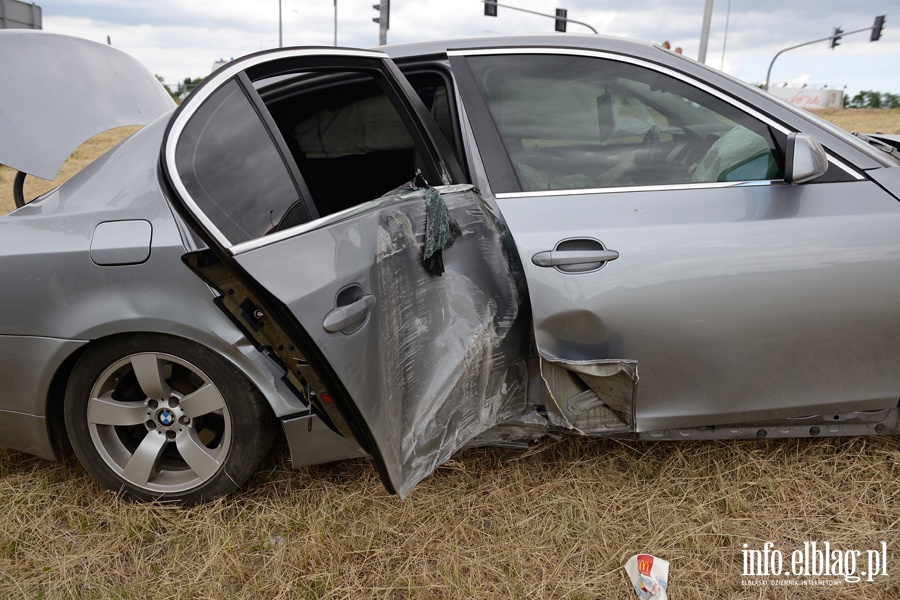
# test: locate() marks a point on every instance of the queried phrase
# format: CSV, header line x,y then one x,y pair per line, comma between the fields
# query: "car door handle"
x,y
555,258
345,317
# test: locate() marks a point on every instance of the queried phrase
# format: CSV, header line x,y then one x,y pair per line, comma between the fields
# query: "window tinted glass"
x,y
231,168
347,138
571,122
432,90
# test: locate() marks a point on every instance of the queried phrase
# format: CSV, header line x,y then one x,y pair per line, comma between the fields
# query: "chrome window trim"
x,y
641,188
216,81
660,69
334,218
844,167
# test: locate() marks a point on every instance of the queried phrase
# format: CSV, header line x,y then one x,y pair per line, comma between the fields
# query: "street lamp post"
x,y
280,41
704,32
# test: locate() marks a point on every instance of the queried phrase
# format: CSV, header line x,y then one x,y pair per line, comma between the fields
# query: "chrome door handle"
x,y
345,317
555,258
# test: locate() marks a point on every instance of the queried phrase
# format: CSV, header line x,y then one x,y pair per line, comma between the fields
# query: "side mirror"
x,y
805,159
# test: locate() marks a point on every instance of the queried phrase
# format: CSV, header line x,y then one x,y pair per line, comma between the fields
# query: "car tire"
x,y
157,417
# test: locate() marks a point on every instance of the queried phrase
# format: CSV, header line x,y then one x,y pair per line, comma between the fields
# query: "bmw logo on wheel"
x,y
166,417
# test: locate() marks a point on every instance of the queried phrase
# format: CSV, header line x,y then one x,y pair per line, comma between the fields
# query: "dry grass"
x,y
79,159
557,521
865,120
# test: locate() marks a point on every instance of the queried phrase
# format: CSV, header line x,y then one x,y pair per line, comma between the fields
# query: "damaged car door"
x,y
342,241
662,234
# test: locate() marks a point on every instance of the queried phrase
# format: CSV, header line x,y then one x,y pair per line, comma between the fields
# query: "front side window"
x,y
575,122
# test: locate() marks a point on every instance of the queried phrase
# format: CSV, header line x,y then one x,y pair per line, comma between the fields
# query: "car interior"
x,y
347,138
569,128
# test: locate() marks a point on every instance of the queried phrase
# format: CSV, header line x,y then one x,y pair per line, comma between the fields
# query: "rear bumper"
x,y
26,433
27,367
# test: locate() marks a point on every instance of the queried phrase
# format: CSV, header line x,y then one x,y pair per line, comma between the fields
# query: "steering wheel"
x,y
646,155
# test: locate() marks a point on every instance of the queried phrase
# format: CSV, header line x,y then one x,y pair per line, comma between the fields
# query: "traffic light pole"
x,y
769,72
383,19
540,14
838,34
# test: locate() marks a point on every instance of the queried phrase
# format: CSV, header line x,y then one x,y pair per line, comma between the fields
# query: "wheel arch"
x,y
56,395
233,434
240,355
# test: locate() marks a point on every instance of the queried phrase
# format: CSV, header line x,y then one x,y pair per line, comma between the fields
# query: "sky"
x,y
177,38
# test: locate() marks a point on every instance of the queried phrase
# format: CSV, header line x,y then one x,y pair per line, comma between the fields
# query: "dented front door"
x,y
739,299
398,317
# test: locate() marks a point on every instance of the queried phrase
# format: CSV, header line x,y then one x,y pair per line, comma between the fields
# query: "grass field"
x,y
79,159
556,521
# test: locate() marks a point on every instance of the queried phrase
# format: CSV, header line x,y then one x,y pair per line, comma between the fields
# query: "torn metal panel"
x,y
451,346
242,306
312,443
528,427
591,397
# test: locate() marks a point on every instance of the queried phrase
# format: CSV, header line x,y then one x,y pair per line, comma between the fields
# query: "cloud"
x,y
179,39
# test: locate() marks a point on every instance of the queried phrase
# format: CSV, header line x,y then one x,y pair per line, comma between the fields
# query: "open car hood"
x,y
59,91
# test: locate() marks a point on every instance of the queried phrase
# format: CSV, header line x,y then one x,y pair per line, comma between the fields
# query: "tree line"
x,y
182,88
872,99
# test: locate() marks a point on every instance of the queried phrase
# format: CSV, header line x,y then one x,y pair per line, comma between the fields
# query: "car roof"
x,y
606,43
432,50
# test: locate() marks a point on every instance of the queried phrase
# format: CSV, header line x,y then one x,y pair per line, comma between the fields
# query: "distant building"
x,y
20,15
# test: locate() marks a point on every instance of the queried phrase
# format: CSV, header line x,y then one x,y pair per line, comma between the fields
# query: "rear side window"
x,y
368,124
432,91
319,143
231,167
286,142
575,122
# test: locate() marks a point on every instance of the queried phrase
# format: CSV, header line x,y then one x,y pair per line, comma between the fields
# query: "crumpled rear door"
x,y
398,318
427,361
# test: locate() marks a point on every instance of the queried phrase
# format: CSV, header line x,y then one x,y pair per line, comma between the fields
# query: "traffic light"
x,y
836,37
384,14
877,28
490,8
561,19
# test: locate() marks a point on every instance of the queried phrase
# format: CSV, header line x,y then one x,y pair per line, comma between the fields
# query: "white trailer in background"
x,y
809,98
19,15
